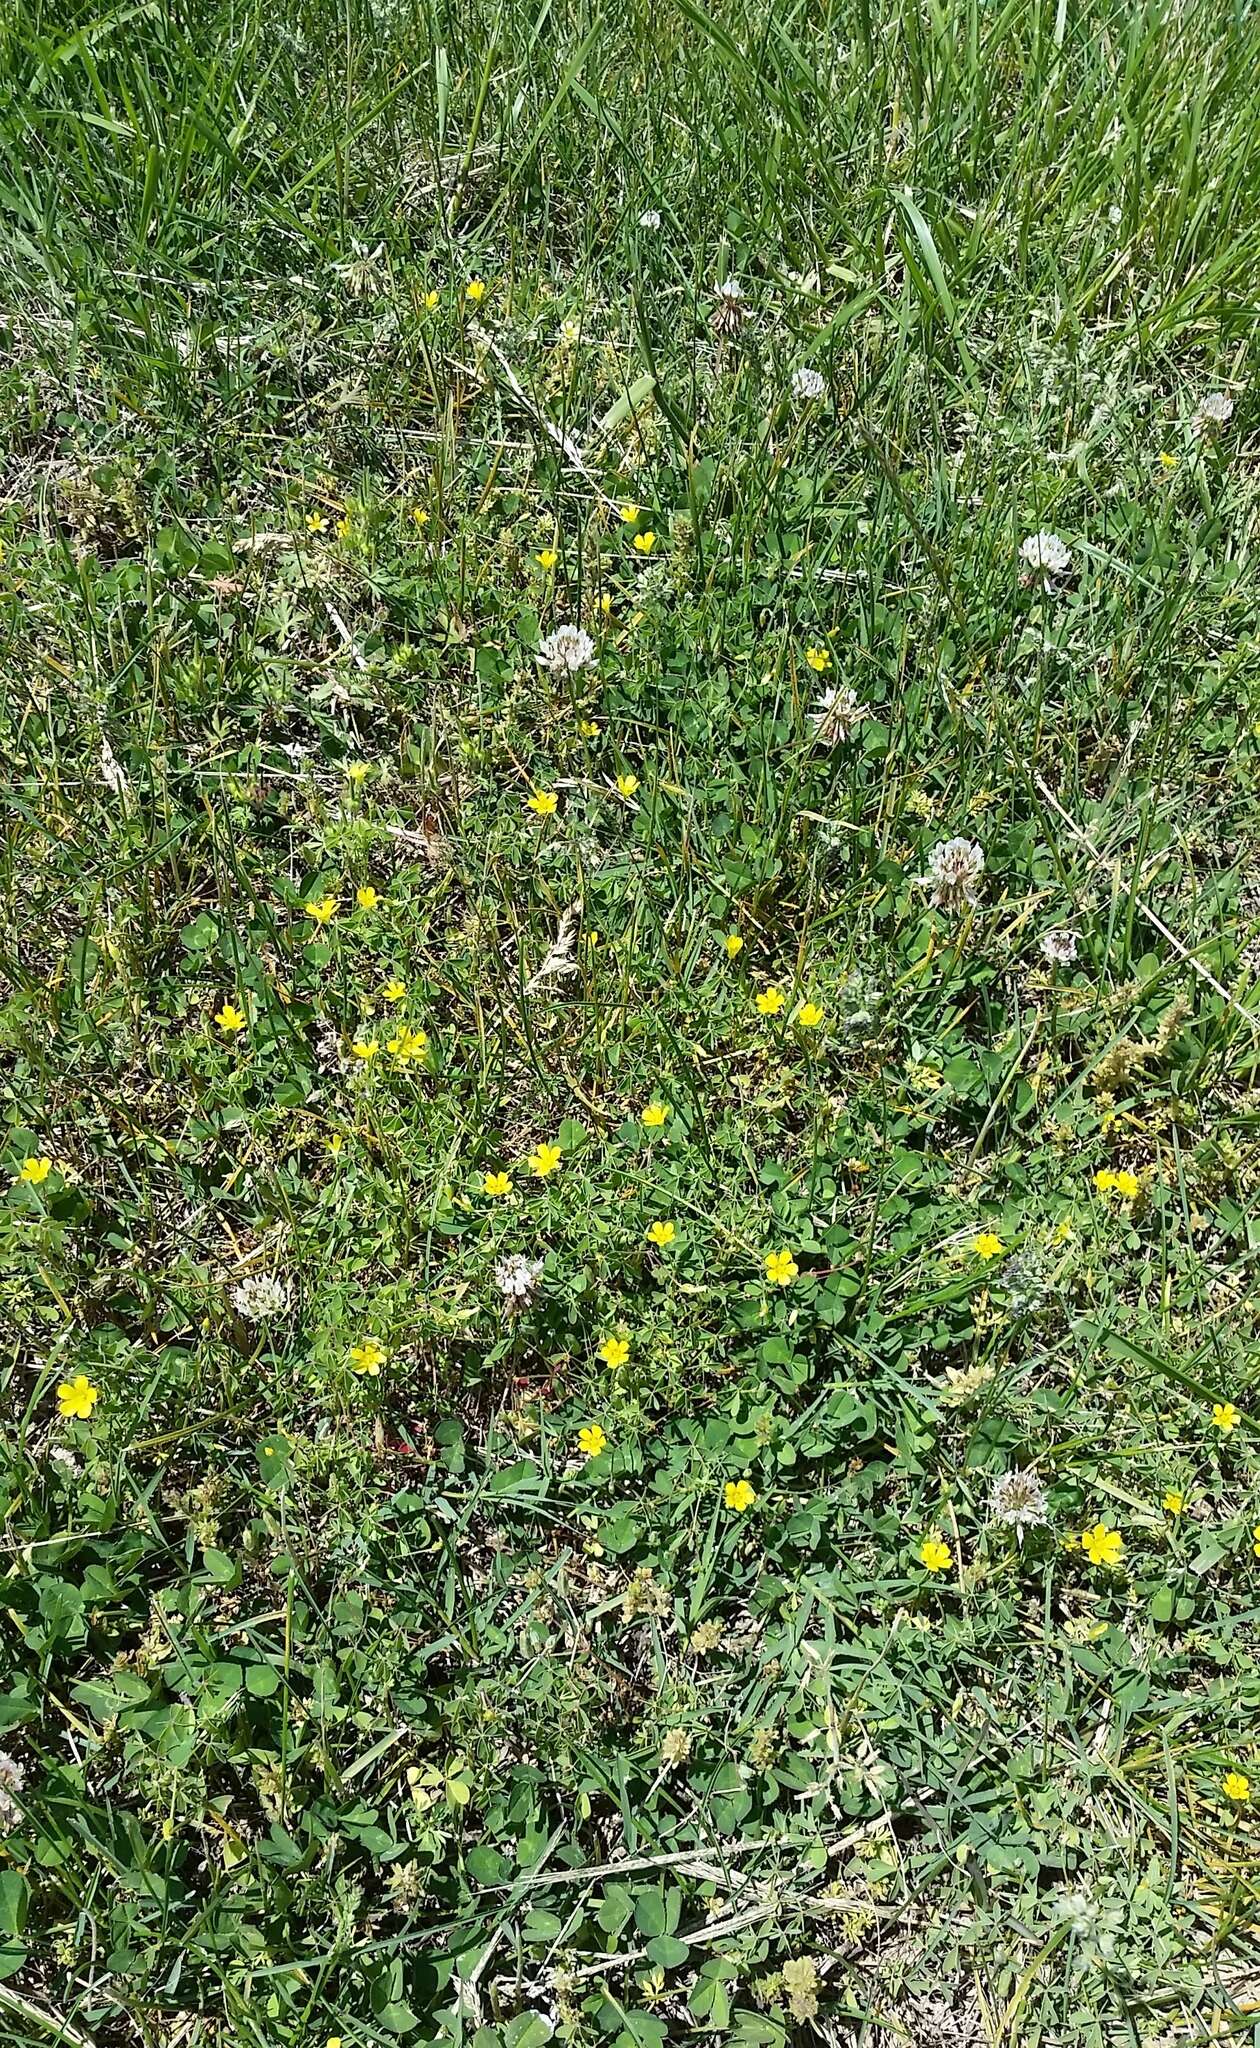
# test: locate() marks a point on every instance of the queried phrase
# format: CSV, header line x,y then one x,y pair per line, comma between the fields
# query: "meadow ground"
x,y
630,1019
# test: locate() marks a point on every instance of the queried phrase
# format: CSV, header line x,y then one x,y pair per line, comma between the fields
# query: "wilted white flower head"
x,y
12,1779
954,869
517,1280
731,310
1215,411
566,651
808,383
837,713
112,773
259,1297
1059,948
1044,555
359,272
1019,1501
650,219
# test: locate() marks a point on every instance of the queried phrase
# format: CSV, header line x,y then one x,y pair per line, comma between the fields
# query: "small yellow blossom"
x,y
547,559
1255,1540
1102,1546
809,1016
661,1234
988,1245
543,802
645,542
1174,1501
629,513
1127,1185
819,659
407,1045
475,289
357,771
770,1001
1225,1416
420,515
614,1351
544,1159
77,1397
588,729
1236,1785
734,944
394,990
368,1357
229,1018
344,528
935,1554
365,1048
591,1440
432,300
655,1114
627,784
316,523
35,1171
323,910
738,1494
366,897
497,1184
781,1268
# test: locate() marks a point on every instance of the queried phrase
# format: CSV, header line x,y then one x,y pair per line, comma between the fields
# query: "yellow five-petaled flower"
x,y
77,1397
323,909
614,1351
935,1554
366,897
1225,1416
591,1440
770,1001
661,1234
35,1171
734,944
809,1016
819,659
475,289
655,1114
543,802
1102,1546
368,1357
497,1184
229,1018
738,1494
544,1159
407,1045
1236,1785
781,1268
988,1245
645,542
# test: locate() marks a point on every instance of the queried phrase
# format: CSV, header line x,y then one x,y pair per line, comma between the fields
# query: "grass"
x,y
352,1690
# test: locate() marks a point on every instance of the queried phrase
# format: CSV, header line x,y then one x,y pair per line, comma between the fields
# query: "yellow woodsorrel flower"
x,y
366,897
935,1554
1225,1416
627,784
496,1184
644,543
739,1495
229,1018
819,659
35,1171
781,1268
615,1351
1174,1501
591,1440
365,1048
770,1001
1103,1547
394,990
543,803
407,1045
809,1016
988,1245
544,1159
1236,1785
733,944
323,909
368,1357
628,513
475,289
661,1234
77,1397
655,1114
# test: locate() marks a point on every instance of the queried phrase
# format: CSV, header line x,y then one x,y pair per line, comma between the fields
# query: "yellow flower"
x,y
770,1001
475,289
734,944
1127,1185
544,1159
77,1397
394,990
420,515
497,1184
229,1018
1168,460
591,1440
1236,1785
614,1351
781,1268
629,513
1174,1501
935,1554
738,1494
366,897
1102,1546
357,771
809,1016
431,300
344,528
661,1234
988,1245
368,1357
323,910
316,523
1225,1416
543,802
819,659
627,784
365,1048
645,542
1104,1180
547,559
35,1171
407,1044
1255,1544
588,729
606,604
655,1114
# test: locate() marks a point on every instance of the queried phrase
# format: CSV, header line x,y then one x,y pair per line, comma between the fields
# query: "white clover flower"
x,y
837,714
731,309
112,773
259,1297
1060,948
517,1280
1044,555
1019,1501
808,383
360,272
650,219
12,1779
1214,412
954,870
566,651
